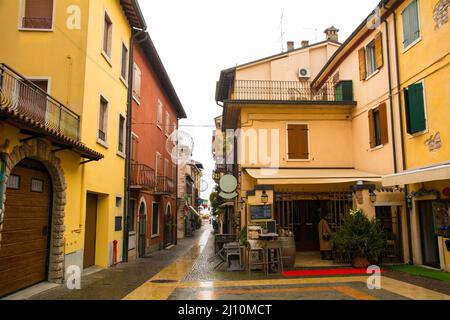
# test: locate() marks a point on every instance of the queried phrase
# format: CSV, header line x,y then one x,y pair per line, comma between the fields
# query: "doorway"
x,y
142,229
428,237
90,232
168,239
306,220
24,251
389,219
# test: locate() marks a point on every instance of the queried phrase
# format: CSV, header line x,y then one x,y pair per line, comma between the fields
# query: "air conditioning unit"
x,y
304,73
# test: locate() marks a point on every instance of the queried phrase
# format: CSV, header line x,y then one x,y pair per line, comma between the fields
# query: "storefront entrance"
x,y
306,221
428,237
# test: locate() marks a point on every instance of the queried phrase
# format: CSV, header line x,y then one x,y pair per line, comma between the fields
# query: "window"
x,y
37,185
38,14
103,120
298,142
159,119
13,182
107,36
411,24
415,108
134,148
121,146
371,57
166,168
119,202
137,83
124,69
132,216
155,219
167,123
158,164
378,126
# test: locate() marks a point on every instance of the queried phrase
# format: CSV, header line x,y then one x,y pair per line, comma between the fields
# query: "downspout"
x,y
134,33
3,154
400,112
394,146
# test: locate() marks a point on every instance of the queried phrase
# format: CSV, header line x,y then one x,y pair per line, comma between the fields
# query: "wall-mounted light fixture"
x,y
264,197
372,196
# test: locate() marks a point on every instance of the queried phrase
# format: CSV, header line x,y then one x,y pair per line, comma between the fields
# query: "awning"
x,y
427,174
311,176
195,211
227,204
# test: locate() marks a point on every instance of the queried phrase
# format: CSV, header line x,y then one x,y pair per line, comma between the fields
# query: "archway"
x,y
40,152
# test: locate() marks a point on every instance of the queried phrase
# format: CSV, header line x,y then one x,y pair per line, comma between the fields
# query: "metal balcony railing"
x,y
20,95
165,185
266,90
142,176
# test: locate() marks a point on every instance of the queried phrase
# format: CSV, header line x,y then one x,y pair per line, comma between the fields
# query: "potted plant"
x,y
360,239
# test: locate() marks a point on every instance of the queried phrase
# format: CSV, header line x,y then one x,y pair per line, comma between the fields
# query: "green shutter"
x,y
410,20
415,109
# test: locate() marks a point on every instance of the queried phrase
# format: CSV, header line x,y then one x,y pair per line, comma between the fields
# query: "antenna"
x,y
282,31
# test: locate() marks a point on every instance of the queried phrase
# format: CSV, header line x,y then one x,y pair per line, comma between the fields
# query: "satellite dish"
x,y
180,146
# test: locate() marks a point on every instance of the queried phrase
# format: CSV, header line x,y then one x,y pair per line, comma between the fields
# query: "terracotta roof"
x,y
133,13
34,127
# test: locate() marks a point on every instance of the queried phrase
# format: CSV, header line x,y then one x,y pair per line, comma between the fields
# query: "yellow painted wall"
x,y
428,60
78,75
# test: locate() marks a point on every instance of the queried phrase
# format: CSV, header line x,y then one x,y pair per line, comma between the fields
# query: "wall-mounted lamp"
x,y
372,196
264,197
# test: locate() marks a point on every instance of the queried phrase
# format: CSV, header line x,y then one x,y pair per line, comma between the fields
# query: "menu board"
x,y
441,210
260,212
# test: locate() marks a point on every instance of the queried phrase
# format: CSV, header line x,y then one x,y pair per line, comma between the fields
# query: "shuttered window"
x,y
371,57
137,75
107,35
410,21
298,141
378,130
415,108
124,68
38,14
159,115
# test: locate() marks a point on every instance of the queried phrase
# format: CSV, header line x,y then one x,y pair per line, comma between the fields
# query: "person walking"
x,y
325,237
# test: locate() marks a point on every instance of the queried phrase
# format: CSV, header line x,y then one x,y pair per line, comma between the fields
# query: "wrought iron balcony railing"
x,y
20,95
301,91
165,185
142,176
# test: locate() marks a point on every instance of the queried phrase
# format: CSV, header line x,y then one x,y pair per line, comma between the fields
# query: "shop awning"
x,y
311,176
195,211
427,174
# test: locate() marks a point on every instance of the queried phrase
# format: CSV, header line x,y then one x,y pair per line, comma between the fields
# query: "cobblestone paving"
x,y
115,283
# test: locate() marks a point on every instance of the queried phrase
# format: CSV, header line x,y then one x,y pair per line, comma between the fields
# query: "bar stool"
x,y
261,253
274,256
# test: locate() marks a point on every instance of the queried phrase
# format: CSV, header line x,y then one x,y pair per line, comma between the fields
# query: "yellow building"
x,y
422,33
62,110
305,150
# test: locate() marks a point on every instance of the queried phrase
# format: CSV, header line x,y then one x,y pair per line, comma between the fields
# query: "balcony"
x,y
165,186
291,91
142,177
22,99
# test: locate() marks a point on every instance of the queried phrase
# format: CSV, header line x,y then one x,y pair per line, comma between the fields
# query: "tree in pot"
x,y
360,239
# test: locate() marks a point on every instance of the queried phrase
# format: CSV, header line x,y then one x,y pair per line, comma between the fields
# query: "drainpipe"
x,y
400,112
394,147
2,183
134,34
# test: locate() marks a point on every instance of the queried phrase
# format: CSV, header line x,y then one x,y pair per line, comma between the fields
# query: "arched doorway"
x,y
168,230
142,235
25,249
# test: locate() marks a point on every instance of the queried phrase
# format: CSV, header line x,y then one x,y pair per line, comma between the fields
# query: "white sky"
x,y
196,39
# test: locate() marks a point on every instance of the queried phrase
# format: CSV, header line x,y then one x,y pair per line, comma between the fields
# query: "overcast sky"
x,y
196,39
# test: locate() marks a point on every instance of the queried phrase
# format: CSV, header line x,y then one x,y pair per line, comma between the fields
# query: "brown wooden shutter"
x,y
39,9
379,50
382,109
371,130
362,63
298,142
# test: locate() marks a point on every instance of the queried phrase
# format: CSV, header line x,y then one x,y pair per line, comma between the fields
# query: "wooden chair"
x,y
261,261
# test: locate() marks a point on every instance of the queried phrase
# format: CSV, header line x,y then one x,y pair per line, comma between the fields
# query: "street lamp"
x,y
372,196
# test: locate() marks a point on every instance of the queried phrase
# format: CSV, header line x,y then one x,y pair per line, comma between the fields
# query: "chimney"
x,y
305,43
332,34
290,45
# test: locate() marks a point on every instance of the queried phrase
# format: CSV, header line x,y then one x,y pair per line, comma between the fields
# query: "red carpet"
x,y
325,272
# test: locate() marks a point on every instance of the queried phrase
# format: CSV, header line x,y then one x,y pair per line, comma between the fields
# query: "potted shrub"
x,y
360,239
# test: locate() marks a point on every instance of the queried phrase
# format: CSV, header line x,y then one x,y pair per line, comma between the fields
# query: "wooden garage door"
x,y
25,235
